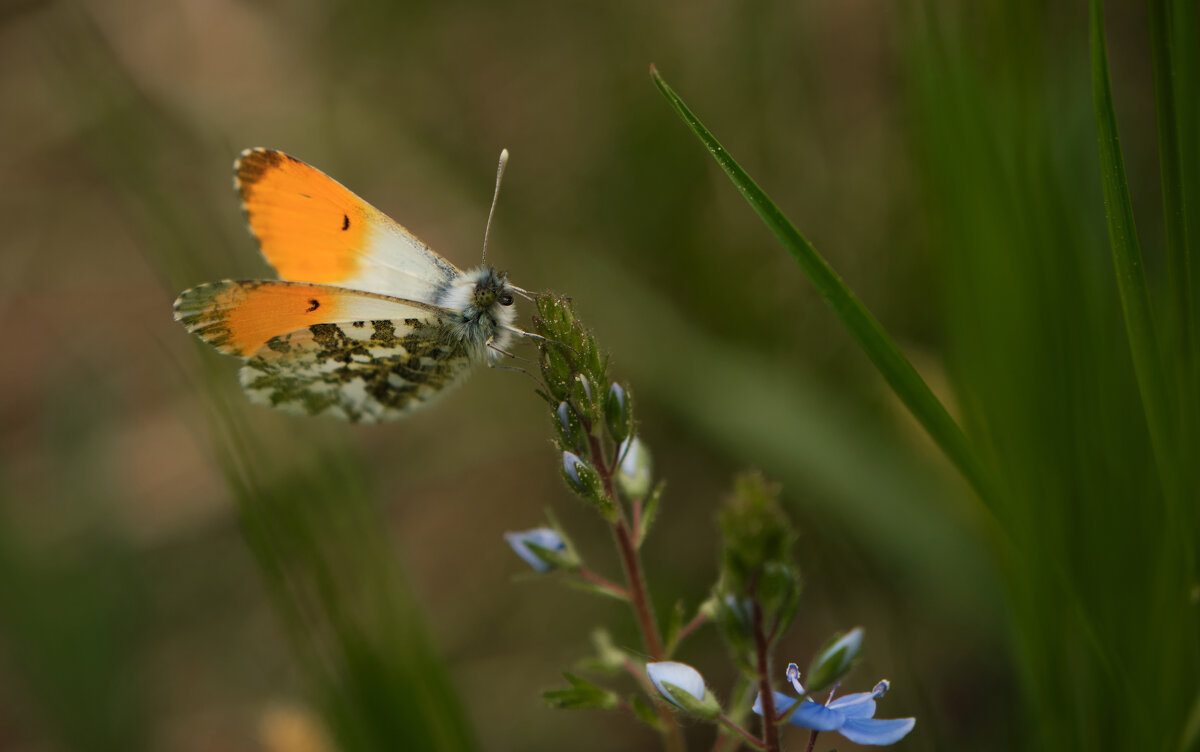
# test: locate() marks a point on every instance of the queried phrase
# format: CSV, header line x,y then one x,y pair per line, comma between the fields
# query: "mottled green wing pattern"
x,y
361,371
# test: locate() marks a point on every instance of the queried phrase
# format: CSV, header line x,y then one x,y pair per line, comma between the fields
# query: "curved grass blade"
x,y
1127,259
1167,69
866,329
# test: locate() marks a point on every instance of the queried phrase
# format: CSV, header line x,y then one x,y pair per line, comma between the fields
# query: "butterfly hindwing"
x,y
363,371
311,228
323,350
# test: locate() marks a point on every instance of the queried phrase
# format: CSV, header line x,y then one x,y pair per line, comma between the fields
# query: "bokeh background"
x,y
942,156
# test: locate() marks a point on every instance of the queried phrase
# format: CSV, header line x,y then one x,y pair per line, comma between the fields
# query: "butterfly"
x,y
366,323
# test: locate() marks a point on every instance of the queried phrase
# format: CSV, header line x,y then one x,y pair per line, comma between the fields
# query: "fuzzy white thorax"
x,y
480,327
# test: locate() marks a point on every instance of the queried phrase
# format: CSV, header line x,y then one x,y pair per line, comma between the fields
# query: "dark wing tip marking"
x,y
251,164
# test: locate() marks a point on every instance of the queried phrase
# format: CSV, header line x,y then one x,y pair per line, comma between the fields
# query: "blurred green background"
x,y
941,155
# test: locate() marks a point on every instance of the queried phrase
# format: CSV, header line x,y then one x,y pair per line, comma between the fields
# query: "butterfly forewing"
x,y
311,228
238,318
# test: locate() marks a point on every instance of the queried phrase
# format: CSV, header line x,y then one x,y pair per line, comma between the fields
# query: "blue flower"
x,y
540,538
852,716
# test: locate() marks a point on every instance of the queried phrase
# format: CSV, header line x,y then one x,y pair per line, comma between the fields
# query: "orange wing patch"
x,y
238,318
310,227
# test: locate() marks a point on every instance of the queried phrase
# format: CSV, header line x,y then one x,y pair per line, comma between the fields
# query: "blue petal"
x,y
858,705
782,703
810,715
876,731
815,716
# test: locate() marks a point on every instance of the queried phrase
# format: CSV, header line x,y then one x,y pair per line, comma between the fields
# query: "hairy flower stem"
x,y
630,561
763,650
637,591
638,596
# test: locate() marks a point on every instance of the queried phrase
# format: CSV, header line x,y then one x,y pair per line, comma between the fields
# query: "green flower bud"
x,y
556,372
755,531
834,660
585,482
735,621
634,476
618,413
778,592
582,397
569,427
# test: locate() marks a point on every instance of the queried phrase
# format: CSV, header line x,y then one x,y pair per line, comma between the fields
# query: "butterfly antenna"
x,y
496,195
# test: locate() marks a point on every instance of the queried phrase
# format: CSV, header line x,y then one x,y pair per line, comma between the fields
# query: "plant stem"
x,y
629,561
691,626
812,741
603,582
763,650
636,584
637,591
750,738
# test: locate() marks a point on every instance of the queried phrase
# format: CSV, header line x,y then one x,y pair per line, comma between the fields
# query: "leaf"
x,y
1127,259
645,712
866,330
649,512
674,627
581,695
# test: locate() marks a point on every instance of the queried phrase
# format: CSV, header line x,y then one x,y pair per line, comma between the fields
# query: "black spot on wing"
x,y
313,304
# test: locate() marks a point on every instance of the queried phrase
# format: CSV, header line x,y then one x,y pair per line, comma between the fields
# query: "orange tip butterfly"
x,y
365,323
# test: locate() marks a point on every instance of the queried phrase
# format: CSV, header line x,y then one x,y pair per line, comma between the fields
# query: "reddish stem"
x,y
608,585
762,649
691,626
638,596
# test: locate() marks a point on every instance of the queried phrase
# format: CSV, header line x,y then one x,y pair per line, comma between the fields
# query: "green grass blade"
x,y
1184,57
1127,257
1165,64
866,329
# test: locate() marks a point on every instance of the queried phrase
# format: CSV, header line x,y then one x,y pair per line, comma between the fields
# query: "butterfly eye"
x,y
506,299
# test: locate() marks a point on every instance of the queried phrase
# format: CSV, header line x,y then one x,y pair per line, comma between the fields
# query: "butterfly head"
x,y
491,290
483,301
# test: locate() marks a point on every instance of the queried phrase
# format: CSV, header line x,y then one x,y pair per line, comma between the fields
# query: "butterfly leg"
x,y
538,337
507,354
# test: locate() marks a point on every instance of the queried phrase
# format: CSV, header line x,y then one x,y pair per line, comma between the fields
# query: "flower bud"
x,y
569,427
556,372
582,397
683,687
835,659
585,482
755,531
735,622
618,413
634,473
778,591
542,548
